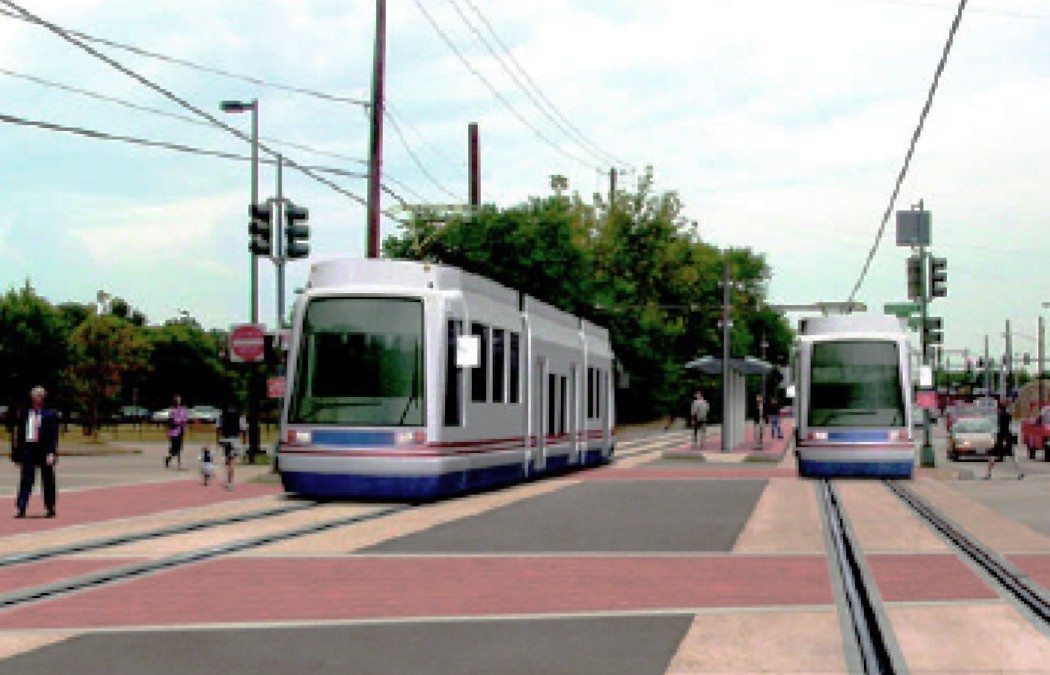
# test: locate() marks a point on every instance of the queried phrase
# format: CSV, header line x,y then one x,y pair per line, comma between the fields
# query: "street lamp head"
x,y
237,106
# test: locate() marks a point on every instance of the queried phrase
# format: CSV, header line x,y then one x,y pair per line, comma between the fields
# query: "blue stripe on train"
x,y
826,469
366,439
859,436
415,488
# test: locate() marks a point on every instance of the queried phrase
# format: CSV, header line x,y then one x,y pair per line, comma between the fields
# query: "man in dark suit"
x,y
37,446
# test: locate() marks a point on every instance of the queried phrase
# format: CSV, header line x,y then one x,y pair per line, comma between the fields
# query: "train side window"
x,y
453,377
564,404
590,393
479,377
499,364
599,398
515,365
552,402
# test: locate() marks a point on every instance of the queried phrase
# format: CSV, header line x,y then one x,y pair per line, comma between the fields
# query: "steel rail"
x,y
117,540
1011,579
874,654
34,594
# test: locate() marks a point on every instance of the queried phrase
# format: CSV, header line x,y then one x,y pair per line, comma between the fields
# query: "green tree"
x,y
34,347
106,349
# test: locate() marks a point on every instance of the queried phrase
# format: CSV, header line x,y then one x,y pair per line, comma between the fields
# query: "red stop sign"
x,y
247,342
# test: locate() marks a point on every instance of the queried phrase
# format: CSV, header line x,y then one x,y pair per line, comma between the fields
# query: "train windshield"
x,y
856,384
360,363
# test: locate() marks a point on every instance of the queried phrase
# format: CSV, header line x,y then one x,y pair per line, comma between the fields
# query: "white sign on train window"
x,y
468,351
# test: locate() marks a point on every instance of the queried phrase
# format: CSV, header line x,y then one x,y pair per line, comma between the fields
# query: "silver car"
x,y
971,437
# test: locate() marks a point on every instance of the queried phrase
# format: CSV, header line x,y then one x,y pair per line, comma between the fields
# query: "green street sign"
x,y
901,309
915,322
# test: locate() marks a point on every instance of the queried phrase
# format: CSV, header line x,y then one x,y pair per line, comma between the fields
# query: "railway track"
x,y
872,641
1011,580
874,645
26,596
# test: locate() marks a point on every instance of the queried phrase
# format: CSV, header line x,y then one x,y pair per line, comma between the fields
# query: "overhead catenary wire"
x,y
911,148
495,92
419,164
164,113
65,35
533,91
22,15
191,150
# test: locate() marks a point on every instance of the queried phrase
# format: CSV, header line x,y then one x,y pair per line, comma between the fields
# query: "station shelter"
x,y
734,392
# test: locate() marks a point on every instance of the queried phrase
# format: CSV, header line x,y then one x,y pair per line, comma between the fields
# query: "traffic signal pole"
x,y
926,457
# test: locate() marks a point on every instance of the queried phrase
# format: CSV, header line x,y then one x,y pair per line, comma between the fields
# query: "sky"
x,y
782,126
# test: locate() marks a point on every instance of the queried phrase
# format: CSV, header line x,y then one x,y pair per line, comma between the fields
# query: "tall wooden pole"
x,y
375,149
475,166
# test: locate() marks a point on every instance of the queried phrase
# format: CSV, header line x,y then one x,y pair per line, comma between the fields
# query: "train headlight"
x,y
410,438
818,435
298,437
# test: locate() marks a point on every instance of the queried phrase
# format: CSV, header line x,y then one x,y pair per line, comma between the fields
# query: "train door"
x,y
575,448
540,396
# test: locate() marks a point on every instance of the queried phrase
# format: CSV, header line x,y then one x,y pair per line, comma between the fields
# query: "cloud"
x,y
139,237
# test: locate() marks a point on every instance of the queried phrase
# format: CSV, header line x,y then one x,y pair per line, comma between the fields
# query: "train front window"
x,y
855,384
360,363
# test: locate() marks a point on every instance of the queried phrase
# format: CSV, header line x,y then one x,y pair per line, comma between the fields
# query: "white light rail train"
x,y
853,397
415,381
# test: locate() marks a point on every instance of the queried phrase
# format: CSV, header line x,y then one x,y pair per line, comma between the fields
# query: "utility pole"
x,y
375,145
1009,363
279,236
1039,359
987,365
474,154
725,358
612,187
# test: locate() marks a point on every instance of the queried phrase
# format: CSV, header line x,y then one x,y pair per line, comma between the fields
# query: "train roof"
x,y
403,274
851,324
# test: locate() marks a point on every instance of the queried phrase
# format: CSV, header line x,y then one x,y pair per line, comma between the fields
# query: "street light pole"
x,y
725,358
253,373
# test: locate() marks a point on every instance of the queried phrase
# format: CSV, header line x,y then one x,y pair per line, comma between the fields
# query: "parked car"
x,y
133,413
1035,431
161,416
204,413
971,437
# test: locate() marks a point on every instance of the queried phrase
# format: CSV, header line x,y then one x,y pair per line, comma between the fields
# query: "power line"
x,y
22,15
186,149
460,164
164,113
495,92
419,164
566,126
172,97
911,148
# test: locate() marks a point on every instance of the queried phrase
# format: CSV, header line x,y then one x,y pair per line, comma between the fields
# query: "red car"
x,y
1035,432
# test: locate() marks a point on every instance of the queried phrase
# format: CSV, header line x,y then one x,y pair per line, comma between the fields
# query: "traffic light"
x,y
915,277
938,277
260,229
932,332
296,231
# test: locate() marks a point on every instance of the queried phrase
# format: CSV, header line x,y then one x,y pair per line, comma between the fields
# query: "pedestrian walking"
x,y
178,418
207,466
227,432
760,413
698,418
775,430
36,437
1004,443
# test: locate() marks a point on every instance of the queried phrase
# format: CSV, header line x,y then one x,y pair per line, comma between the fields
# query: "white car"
x,y
204,413
160,415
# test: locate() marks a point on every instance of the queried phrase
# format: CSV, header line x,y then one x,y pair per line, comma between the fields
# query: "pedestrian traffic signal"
x,y
260,229
915,278
938,277
296,231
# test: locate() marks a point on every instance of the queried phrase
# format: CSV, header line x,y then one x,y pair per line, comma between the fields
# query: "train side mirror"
x,y
468,351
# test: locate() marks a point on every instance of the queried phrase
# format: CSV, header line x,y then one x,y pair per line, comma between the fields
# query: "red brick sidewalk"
x,y
124,501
